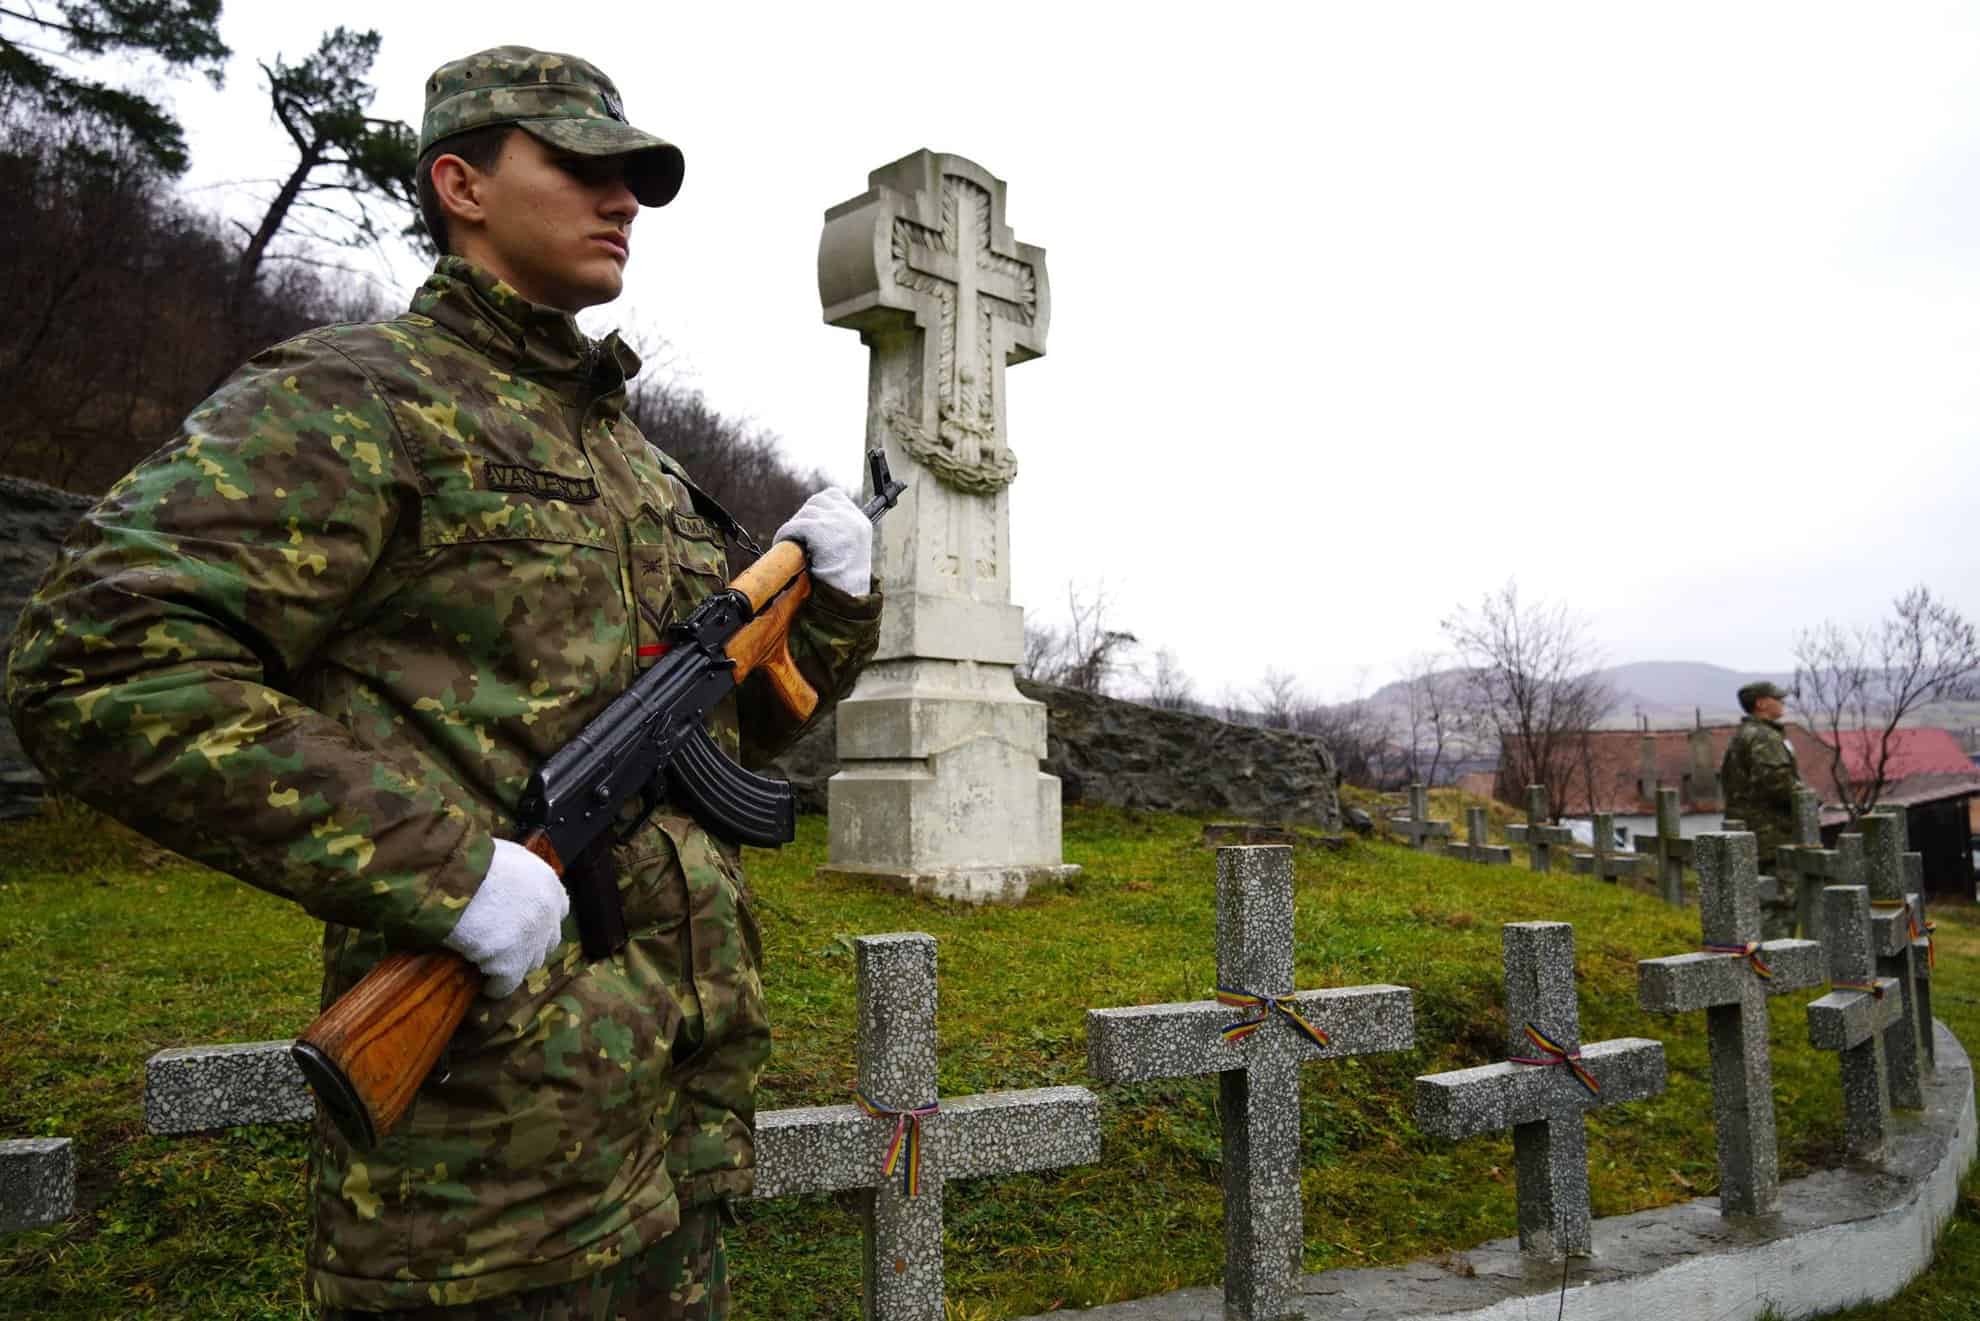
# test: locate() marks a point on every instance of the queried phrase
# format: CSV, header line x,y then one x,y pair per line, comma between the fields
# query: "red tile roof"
x,y
1912,752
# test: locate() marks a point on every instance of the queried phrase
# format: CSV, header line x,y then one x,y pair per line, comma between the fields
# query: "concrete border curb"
x,y
1842,1237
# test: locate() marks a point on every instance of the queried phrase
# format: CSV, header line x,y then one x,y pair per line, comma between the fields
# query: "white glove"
x,y
514,919
838,539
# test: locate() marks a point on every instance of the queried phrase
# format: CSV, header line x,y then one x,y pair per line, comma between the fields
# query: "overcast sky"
x,y
1669,311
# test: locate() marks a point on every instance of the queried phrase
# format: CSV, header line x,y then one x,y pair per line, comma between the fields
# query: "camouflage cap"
x,y
1753,692
561,100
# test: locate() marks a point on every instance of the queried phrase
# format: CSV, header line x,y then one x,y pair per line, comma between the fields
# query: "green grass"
x,y
110,950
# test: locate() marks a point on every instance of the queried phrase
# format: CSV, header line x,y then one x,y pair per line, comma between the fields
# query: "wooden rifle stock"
x,y
367,1054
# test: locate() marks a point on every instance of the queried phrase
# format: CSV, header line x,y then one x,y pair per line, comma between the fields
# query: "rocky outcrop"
x,y
1122,754
33,521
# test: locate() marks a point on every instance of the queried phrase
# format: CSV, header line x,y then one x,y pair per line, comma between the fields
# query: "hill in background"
x,y
1673,694
1677,692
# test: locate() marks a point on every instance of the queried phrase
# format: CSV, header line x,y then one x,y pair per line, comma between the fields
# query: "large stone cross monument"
x,y
939,790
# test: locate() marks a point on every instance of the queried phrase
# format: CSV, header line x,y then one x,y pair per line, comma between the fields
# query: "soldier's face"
x,y
1769,708
555,226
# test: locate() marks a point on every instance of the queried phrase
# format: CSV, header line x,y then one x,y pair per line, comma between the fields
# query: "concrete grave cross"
x,y
1255,1037
1670,851
1475,849
1855,1018
1605,862
1417,827
1924,951
1540,838
901,1149
1543,1089
1730,979
1893,921
1806,867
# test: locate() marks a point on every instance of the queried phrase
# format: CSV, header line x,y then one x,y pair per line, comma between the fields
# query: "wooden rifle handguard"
x,y
776,585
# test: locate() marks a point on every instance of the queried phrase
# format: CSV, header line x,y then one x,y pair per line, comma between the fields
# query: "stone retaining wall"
x,y
1122,754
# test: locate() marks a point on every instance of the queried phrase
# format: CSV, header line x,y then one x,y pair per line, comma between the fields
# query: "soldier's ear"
x,y
457,186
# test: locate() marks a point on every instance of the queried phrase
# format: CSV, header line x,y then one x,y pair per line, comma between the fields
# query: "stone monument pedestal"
x,y
941,794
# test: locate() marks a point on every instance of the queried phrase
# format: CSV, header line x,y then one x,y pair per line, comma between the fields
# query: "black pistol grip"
x,y
741,807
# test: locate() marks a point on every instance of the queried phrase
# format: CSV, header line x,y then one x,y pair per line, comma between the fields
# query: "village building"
x,y
1928,774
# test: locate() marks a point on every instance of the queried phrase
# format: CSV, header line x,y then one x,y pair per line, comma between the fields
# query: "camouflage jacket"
x,y
319,641
1759,777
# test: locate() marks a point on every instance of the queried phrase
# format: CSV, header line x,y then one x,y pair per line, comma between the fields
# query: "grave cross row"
x,y
1923,953
1605,862
1892,918
1540,838
1731,980
1475,849
1421,832
901,1142
1543,1105
1670,851
1257,1070
1855,1018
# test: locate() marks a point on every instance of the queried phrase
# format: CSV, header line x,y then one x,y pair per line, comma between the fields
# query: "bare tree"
x,y
1278,699
1871,679
1169,689
1234,708
1362,736
1088,654
1433,714
1044,653
1531,674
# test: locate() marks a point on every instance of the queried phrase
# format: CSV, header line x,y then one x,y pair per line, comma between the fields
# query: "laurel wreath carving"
x,y
942,453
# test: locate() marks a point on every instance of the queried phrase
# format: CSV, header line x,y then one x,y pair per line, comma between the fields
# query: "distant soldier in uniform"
x,y
1760,777
320,639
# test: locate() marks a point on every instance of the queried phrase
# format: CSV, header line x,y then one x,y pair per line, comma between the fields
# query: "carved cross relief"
x,y
971,287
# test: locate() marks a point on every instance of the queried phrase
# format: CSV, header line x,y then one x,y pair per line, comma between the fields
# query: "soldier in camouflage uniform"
x,y
1759,779
320,639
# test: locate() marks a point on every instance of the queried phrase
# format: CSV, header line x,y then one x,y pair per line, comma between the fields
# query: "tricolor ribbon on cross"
x,y
1553,1053
1748,950
904,1152
1265,1006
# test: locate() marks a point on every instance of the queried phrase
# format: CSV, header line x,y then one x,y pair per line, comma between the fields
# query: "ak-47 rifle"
x,y
369,1052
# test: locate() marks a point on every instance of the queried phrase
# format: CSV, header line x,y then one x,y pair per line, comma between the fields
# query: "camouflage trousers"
x,y
683,1277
